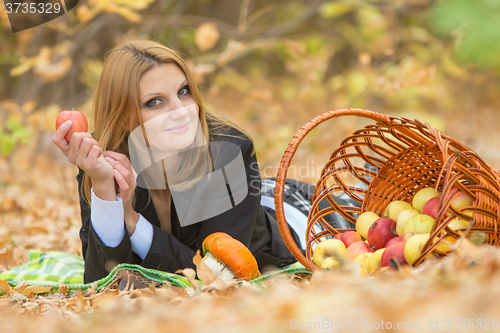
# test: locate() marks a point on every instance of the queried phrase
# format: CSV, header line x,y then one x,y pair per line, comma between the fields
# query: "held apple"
x,y
364,222
328,248
381,232
356,249
422,196
350,237
78,120
403,217
395,207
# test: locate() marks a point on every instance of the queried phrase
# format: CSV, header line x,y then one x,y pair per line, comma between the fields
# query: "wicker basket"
x,y
409,155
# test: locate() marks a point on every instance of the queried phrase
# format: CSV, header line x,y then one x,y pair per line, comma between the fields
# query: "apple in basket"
x,y
363,260
350,237
422,196
381,232
364,222
421,224
328,248
375,260
395,207
394,241
460,199
356,249
431,207
395,252
413,247
78,122
403,217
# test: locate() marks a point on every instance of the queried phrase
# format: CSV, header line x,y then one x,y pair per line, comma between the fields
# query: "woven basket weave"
x,y
409,155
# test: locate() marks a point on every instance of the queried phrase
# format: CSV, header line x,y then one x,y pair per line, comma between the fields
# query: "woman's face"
x,y
168,109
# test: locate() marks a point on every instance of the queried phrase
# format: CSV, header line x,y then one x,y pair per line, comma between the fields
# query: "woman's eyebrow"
x,y
159,93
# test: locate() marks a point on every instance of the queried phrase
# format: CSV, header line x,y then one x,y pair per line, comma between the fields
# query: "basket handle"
x,y
285,163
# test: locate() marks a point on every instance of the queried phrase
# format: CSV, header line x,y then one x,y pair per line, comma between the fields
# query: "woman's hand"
x,y
84,151
125,176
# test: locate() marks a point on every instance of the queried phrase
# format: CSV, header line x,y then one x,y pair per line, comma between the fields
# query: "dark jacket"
x,y
248,222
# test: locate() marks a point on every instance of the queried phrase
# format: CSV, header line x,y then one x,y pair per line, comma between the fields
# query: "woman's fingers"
x,y
79,147
120,158
91,159
120,167
58,137
122,183
124,177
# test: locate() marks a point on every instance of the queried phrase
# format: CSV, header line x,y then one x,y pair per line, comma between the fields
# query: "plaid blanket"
x,y
56,268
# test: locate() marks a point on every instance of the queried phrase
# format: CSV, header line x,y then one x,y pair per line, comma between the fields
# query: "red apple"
x,y
394,241
337,236
461,199
350,237
422,196
78,120
408,235
356,249
431,207
380,232
396,252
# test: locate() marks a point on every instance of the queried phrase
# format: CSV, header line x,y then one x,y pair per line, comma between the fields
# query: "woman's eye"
x,y
154,102
184,91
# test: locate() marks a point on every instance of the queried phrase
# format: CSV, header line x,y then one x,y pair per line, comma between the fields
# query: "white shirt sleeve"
x,y
107,218
142,237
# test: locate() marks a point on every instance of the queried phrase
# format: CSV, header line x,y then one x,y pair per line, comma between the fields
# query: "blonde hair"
x,y
116,106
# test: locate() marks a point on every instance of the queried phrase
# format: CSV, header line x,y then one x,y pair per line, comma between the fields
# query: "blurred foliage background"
x,y
269,66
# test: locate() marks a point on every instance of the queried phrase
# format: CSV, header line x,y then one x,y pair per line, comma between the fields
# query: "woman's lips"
x,y
179,129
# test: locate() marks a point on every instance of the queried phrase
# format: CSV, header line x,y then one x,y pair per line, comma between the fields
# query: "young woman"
x,y
152,128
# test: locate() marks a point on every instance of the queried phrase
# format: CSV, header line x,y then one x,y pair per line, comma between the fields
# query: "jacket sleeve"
x,y
100,259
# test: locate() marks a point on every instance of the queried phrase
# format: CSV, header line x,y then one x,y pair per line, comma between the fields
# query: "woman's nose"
x,y
179,111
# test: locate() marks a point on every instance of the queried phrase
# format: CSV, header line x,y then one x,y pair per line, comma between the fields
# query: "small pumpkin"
x,y
233,254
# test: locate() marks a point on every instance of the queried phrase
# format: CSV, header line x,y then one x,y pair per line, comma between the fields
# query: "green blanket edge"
x,y
161,277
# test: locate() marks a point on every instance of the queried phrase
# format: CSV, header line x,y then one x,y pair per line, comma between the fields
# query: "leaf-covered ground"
x,y
39,211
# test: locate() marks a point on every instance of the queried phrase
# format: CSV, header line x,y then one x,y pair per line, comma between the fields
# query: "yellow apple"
x,y
445,244
395,208
422,196
374,262
363,259
421,224
330,263
457,224
364,222
414,246
403,217
328,248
